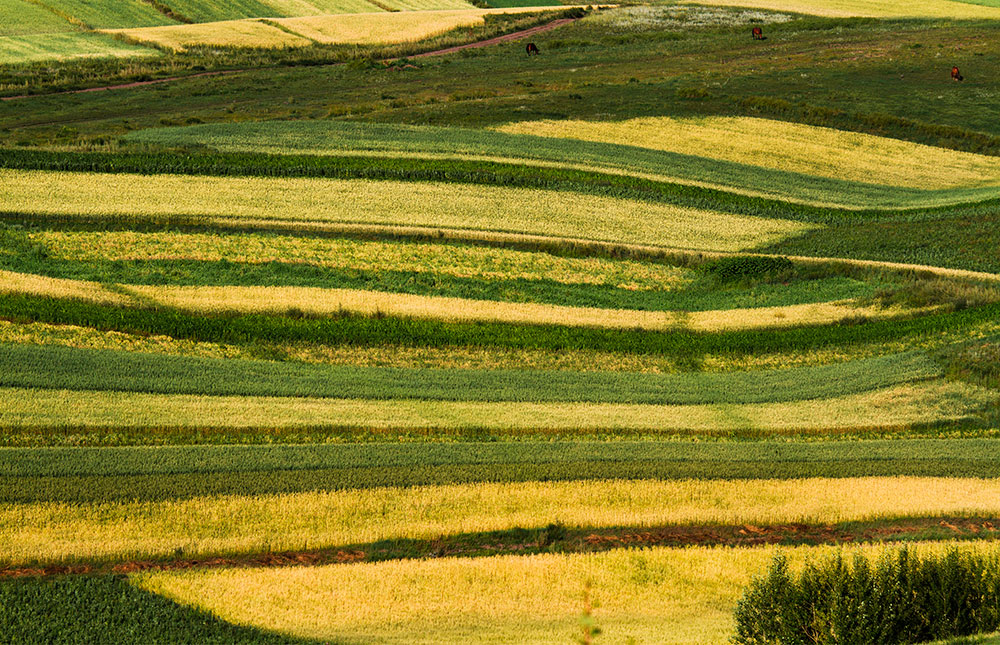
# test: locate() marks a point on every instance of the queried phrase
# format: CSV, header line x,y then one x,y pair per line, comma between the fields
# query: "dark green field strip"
x,y
248,329
456,171
701,296
59,367
84,610
155,473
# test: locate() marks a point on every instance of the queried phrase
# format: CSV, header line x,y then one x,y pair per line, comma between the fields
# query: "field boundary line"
x,y
125,86
574,540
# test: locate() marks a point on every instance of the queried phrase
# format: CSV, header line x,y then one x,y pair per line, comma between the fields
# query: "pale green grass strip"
x,y
55,531
659,595
891,408
490,208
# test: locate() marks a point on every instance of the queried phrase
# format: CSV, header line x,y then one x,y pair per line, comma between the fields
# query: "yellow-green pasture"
x,y
51,532
657,595
438,205
893,408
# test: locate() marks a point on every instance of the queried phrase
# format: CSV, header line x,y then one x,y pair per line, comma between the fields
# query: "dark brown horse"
x,y
758,34
532,48
955,76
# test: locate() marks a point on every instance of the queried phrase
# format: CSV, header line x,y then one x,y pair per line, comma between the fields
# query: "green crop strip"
x,y
107,609
170,472
85,369
372,331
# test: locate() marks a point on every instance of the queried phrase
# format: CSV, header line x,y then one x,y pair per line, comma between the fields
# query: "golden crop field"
x,y
228,33
655,595
869,8
11,282
49,532
793,147
439,205
892,408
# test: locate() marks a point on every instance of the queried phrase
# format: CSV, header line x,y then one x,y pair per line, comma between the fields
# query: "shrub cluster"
x,y
749,268
902,598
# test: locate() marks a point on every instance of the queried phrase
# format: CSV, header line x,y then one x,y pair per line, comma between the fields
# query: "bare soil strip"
x,y
482,43
556,538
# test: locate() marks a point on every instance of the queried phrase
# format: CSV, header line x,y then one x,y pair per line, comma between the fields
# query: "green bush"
x,y
902,598
749,268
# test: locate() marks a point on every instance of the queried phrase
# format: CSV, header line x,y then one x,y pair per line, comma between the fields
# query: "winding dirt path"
x,y
517,35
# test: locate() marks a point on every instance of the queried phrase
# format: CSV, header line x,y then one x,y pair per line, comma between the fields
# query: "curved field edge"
x,y
61,532
604,147
688,594
891,409
181,472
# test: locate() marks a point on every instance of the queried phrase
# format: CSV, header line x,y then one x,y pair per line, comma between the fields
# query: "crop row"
x,y
248,328
321,265
177,472
68,417
52,532
55,367
255,164
812,165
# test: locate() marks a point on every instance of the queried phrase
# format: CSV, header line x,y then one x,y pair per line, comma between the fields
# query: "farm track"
x,y
560,539
439,52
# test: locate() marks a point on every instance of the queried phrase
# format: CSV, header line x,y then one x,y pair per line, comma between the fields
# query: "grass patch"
x,y
57,47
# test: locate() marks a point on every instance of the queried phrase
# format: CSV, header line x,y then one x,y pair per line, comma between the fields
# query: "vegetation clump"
x,y
749,268
902,598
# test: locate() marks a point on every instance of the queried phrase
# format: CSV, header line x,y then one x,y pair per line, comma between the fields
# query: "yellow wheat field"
x,y
868,8
440,205
56,531
779,145
892,408
229,33
659,595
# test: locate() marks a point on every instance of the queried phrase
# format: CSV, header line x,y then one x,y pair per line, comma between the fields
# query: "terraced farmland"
x,y
486,347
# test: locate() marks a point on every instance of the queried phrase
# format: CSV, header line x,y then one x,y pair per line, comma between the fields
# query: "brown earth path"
x,y
561,539
439,52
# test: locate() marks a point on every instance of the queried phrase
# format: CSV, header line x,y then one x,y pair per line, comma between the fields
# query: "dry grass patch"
x,y
60,531
11,282
806,149
659,595
891,408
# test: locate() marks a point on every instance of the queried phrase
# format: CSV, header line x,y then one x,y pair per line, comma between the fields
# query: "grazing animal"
x,y
758,34
532,48
955,76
